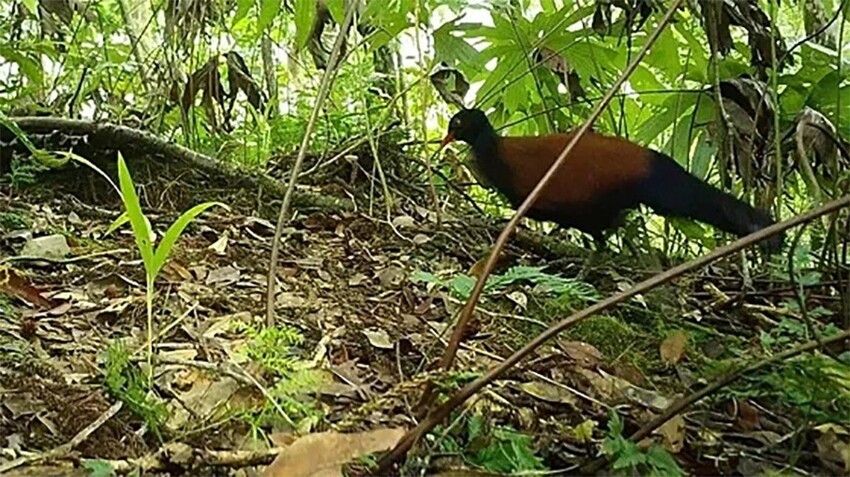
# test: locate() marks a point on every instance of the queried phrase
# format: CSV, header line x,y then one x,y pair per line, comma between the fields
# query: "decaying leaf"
x,y
614,389
673,347
585,355
673,432
583,432
834,445
548,392
450,84
379,338
17,286
323,454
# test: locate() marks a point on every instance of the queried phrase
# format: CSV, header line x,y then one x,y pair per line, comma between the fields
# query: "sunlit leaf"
x,y
269,10
141,227
173,233
242,9
305,14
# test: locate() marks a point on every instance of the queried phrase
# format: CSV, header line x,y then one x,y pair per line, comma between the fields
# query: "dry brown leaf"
x,y
673,432
323,454
15,285
585,355
748,416
673,347
833,447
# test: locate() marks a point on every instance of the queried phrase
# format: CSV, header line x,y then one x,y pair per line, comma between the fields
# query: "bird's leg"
x,y
598,250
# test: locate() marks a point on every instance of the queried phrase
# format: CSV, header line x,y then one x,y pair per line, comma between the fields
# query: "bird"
x,y
601,179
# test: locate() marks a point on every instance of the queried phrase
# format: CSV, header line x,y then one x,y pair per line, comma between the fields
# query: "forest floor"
x,y
362,313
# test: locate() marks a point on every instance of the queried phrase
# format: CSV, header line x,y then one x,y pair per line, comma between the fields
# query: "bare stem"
x,y
324,89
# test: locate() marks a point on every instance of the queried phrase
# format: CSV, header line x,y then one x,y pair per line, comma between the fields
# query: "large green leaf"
x,y
649,131
337,10
30,67
455,51
269,10
242,9
305,14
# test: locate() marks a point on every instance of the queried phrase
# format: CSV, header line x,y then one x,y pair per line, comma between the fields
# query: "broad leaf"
x,y
269,10
242,9
305,14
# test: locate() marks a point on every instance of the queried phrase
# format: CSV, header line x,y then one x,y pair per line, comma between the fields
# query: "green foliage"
x,y
126,382
13,220
461,285
628,459
499,449
508,452
153,258
271,348
816,386
98,468
24,172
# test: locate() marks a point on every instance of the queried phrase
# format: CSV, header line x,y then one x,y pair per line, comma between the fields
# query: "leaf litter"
x,y
345,284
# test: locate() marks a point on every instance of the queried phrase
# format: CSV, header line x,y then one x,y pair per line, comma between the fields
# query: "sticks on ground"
x,y
440,413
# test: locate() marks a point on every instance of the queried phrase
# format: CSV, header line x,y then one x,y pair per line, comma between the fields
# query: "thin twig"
x,y
466,313
440,413
324,89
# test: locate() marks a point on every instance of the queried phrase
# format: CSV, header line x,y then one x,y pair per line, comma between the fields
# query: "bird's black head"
x,y
467,125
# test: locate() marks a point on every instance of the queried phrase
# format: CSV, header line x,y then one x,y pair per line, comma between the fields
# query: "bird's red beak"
x,y
449,138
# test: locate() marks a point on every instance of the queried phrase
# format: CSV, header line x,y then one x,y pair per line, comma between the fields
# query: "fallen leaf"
x,y
49,246
616,389
519,298
15,285
673,432
290,300
390,276
548,392
420,239
630,373
673,347
748,416
224,275
379,338
220,245
585,355
833,448
404,222
204,398
323,454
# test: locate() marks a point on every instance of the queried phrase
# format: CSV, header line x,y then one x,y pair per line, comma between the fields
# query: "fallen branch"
x,y
130,140
440,413
687,401
65,449
179,455
466,313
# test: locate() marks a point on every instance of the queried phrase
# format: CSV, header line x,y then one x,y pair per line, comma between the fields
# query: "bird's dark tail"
x,y
671,191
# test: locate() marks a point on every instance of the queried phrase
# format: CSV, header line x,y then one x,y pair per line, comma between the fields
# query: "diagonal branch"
x,y
685,402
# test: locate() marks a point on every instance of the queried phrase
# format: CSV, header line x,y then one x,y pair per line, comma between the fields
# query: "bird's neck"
x,y
488,161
